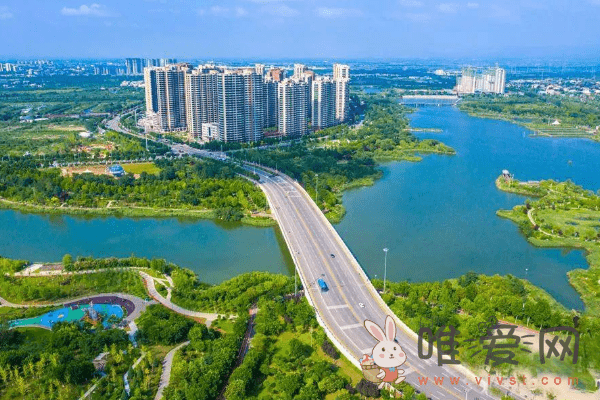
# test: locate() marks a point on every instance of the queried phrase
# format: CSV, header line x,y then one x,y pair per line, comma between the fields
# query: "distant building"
x,y
163,62
474,80
133,66
293,99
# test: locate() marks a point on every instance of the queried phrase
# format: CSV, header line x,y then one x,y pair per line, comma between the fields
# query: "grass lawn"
x,y
224,325
149,168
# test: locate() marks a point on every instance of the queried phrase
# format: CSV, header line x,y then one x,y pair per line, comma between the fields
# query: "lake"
x,y
437,217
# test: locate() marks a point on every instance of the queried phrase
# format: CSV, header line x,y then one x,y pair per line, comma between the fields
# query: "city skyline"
x,y
333,29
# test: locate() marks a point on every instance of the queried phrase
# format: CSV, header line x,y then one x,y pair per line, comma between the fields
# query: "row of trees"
x,y
182,183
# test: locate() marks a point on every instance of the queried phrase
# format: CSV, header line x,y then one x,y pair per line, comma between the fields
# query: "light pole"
x,y
385,250
317,191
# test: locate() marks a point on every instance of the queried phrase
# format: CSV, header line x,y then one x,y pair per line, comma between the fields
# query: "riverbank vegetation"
x,y
544,114
186,187
561,214
472,301
346,157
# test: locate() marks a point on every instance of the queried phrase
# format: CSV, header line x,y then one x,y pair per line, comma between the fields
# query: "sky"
x,y
320,29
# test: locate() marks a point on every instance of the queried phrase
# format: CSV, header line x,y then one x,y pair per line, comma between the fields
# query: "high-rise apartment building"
x,y
271,103
133,66
341,77
254,103
474,80
201,100
323,103
259,69
151,62
293,98
163,62
165,97
231,91
277,74
299,70
341,71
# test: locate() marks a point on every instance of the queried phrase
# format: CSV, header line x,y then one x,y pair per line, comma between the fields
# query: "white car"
x,y
361,305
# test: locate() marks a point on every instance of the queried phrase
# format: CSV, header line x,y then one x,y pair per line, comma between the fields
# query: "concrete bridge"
x,y
319,253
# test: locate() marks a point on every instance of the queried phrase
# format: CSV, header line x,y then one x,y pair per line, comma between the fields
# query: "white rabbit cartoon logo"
x,y
387,355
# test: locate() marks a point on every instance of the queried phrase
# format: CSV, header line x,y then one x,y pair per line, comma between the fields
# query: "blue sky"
x,y
327,29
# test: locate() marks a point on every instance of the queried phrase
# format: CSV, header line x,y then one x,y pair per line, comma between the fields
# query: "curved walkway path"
x,y
165,377
150,285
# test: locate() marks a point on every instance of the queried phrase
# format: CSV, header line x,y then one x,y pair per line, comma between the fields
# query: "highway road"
x,y
319,252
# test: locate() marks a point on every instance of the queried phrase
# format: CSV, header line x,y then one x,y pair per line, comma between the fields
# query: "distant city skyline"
x,y
329,29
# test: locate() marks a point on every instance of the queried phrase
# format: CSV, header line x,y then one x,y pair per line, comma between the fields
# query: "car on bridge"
x,y
323,285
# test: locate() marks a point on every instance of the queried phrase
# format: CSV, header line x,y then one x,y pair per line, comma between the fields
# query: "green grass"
x,y
149,168
566,216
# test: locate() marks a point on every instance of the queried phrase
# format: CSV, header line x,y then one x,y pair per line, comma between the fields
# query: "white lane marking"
x,y
367,351
352,326
338,306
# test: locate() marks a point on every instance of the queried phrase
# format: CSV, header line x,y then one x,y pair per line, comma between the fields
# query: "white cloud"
x,y
93,10
5,13
448,8
472,5
223,11
418,17
325,12
282,10
268,1
411,3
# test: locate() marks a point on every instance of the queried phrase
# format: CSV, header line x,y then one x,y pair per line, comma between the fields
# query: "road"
x,y
319,252
165,377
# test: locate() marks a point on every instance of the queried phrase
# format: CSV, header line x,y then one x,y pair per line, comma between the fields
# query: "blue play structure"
x,y
70,314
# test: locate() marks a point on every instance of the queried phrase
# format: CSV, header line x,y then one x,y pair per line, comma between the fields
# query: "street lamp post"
x,y
385,250
317,191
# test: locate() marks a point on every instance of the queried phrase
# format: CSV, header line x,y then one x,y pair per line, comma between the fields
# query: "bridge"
x,y
319,253
430,100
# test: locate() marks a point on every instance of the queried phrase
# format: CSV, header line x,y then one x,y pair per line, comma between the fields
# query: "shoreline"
x,y
534,132
130,212
578,278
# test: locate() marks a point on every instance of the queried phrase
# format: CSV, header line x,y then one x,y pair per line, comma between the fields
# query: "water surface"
x,y
438,217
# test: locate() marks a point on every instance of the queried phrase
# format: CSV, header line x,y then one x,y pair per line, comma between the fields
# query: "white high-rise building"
x,y
259,69
254,103
299,70
293,100
341,71
473,80
231,91
165,97
341,77
323,104
201,100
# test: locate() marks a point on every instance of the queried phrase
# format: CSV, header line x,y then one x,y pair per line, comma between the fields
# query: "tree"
x,y
67,262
